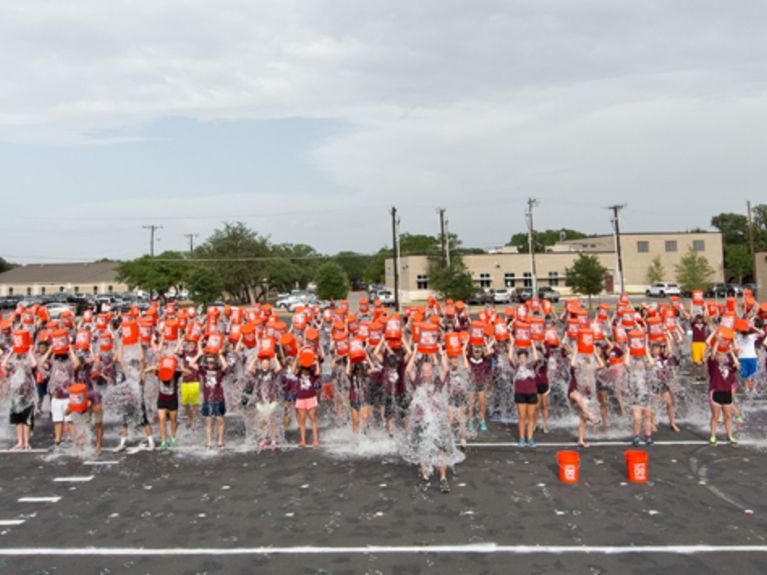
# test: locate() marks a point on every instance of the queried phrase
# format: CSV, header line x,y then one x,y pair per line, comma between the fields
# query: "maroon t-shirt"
x,y
168,390
305,385
212,383
721,377
526,379
699,332
480,371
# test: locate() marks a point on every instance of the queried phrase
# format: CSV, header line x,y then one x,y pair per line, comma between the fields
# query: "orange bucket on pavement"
x,y
78,397
569,465
636,465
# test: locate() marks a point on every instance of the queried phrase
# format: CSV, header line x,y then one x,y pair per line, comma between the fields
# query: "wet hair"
x,y
392,360
698,317
523,352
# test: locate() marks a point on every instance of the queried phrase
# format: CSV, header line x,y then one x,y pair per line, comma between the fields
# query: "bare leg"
x,y
313,420
301,417
715,413
220,426
728,421
208,431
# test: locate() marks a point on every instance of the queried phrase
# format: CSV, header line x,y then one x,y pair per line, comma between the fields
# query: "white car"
x,y
663,289
386,297
55,309
500,295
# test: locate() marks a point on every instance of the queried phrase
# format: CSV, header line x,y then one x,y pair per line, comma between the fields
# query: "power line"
x,y
152,228
617,234
751,242
395,250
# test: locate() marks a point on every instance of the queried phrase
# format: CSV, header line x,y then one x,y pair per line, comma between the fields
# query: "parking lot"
x,y
344,508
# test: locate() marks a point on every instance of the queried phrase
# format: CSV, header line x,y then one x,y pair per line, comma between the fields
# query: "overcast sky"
x,y
309,119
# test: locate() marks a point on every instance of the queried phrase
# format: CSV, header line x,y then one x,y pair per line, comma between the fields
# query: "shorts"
x,y
306,403
42,389
526,398
213,408
190,393
58,408
543,388
747,367
169,404
720,398
698,351
266,408
26,417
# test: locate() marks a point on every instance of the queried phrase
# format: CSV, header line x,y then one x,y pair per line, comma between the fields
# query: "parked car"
x,y
294,299
386,297
500,295
55,309
522,294
480,297
663,289
549,293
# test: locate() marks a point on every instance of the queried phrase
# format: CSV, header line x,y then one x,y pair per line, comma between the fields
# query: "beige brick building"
x,y
761,275
46,279
513,270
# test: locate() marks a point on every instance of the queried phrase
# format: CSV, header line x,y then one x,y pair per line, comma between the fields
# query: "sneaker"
x,y
119,448
463,443
482,426
733,441
273,445
522,442
423,483
261,445
739,420
531,443
164,445
712,440
149,444
444,486
495,417
316,442
470,427
172,442
636,441
648,440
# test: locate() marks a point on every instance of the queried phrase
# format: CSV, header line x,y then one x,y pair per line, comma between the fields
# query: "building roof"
x,y
84,273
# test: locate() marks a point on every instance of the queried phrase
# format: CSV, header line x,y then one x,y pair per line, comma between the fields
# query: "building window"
x,y
77,289
62,289
42,290
670,245
553,279
95,289
643,247
509,279
109,289
422,281
29,291
699,245
484,280
10,291
528,279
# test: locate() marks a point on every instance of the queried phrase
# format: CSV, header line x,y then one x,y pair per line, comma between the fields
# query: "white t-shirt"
x,y
747,344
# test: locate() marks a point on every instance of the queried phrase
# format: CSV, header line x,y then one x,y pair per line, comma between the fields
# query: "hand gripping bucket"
x,y
569,464
636,466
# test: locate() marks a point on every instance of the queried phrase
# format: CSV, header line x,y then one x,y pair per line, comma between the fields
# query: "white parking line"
x,y
82,479
100,462
480,548
11,522
595,443
53,499
24,451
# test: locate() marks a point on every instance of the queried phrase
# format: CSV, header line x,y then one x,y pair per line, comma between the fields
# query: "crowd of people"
x,y
433,375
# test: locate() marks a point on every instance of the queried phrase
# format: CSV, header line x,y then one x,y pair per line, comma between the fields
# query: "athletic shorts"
x,y
526,398
543,388
213,408
169,404
698,351
42,389
306,403
747,367
25,417
58,408
720,398
190,393
266,408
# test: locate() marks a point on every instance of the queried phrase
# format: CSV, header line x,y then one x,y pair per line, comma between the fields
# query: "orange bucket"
x,y
636,466
569,465
78,397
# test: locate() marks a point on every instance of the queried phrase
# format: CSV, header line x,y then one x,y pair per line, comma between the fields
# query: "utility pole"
x,y
751,244
191,242
447,244
152,229
443,236
616,221
395,251
531,203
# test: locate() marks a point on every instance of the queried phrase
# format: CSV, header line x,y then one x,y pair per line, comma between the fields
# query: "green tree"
x,y
693,272
375,271
332,281
239,257
354,265
155,274
734,227
204,285
586,276
737,260
452,281
5,265
656,272
544,239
